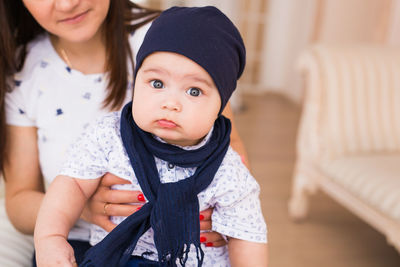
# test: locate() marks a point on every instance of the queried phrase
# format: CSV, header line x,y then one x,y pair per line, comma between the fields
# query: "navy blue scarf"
x,y
173,208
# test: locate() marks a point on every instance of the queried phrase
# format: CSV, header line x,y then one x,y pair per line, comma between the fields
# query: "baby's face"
x,y
175,99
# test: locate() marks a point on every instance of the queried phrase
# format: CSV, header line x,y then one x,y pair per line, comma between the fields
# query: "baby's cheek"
x,y
200,129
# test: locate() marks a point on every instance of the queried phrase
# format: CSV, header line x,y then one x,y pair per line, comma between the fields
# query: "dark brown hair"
x,y
18,28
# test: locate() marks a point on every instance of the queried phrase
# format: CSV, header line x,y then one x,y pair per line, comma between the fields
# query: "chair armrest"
x,y
352,100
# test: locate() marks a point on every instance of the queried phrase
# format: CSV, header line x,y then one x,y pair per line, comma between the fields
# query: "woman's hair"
x,y
18,28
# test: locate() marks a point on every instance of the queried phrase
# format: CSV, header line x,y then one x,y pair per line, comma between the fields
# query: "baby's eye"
x,y
157,84
194,91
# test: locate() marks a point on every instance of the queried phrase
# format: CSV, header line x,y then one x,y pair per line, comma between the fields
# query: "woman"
x,y
63,63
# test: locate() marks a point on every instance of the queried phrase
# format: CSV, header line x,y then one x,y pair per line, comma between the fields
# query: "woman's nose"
x,y
66,5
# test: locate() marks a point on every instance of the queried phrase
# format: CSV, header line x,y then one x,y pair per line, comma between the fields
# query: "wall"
x,y
295,24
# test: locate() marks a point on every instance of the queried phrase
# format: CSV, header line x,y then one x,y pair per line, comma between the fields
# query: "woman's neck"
x,y
87,57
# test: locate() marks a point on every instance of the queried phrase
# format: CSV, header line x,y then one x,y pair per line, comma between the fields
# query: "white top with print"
x,y
233,193
60,103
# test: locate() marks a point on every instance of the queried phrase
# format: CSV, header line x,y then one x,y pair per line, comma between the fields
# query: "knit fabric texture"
x,y
173,208
204,35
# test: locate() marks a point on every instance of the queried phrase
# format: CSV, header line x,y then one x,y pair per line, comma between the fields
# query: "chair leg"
x,y
299,200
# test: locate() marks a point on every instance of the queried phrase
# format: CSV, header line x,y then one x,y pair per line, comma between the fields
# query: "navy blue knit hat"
x,y
206,36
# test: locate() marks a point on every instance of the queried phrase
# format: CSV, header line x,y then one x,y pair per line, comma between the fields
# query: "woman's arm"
x,y
236,141
245,253
23,179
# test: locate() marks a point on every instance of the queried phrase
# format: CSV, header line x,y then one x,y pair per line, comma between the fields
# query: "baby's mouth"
x,y
166,123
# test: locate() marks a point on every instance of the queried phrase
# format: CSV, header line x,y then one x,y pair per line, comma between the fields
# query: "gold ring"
x,y
105,207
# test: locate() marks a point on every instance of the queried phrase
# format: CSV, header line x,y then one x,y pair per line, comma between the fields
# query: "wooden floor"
x,y
331,236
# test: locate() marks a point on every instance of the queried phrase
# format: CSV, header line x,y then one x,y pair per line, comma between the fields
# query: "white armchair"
x,y
349,138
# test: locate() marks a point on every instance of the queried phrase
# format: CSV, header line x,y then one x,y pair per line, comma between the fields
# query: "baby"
x,y
172,143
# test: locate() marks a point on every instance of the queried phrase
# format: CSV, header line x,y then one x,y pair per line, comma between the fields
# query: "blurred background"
x,y
270,105
276,31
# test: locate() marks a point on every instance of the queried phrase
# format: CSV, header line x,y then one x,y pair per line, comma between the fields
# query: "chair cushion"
x,y
374,179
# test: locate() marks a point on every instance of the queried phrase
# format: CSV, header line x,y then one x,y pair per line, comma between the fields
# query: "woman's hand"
x,y
106,202
210,239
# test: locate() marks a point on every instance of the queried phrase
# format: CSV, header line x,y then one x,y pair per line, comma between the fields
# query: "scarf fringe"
x,y
200,257
181,254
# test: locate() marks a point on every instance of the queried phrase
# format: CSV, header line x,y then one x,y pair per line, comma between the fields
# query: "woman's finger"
x,y
111,200
107,195
110,209
205,219
212,239
216,244
110,179
205,215
205,225
104,222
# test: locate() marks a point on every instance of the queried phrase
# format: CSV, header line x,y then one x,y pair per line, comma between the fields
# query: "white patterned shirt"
x,y
233,193
60,102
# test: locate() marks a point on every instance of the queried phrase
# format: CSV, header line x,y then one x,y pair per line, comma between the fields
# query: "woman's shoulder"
x,y
37,51
37,45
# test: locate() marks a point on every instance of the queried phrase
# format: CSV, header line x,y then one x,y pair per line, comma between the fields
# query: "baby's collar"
x,y
202,142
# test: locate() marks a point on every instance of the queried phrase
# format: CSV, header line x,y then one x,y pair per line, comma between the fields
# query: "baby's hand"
x,y
54,251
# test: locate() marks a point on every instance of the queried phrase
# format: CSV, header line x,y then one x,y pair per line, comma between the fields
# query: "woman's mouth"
x,y
166,123
75,19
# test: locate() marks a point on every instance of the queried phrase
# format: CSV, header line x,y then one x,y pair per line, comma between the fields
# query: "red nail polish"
x,y
209,244
202,239
201,217
140,197
138,208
